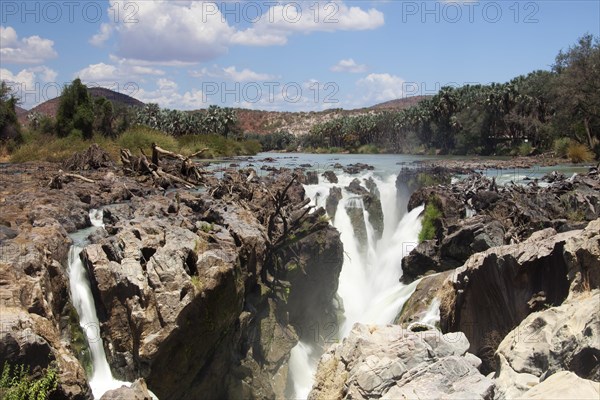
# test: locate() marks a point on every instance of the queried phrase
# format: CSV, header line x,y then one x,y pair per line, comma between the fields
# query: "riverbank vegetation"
x,y
544,111
82,120
541,111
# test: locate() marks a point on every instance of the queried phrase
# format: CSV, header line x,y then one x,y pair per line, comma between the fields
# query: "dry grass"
x,y
447,297
579,153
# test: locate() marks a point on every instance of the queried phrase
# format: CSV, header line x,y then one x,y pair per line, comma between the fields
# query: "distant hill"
x,y
400,104
50,107
299,123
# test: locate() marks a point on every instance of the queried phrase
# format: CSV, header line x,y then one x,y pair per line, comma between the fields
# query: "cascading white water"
x,y
432,316
369,281
101,380
302,367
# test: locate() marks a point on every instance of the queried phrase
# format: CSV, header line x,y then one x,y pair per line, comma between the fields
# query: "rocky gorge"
x,y
205,280
196,294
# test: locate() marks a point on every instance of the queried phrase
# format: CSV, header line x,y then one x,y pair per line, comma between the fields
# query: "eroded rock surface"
x,y
554,352
392,362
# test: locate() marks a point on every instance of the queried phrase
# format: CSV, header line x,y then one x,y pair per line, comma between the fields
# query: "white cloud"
x,y
349,65
321,17
109,74
167,96
32,85
196,31
231,73
381,87
28,50
106,31
173,31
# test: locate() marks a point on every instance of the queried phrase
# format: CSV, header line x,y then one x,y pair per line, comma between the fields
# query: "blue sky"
x,y
289,56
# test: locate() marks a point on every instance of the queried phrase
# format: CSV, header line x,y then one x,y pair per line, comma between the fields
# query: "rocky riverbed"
x,y
201,294
204,281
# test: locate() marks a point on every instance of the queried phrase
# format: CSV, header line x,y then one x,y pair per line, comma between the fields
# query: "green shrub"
x,y
579,153
525,149
431,215
17,384
561,146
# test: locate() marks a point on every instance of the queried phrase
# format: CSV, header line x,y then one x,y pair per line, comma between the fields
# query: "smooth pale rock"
x,y
137,391
392,362
547,342
564,385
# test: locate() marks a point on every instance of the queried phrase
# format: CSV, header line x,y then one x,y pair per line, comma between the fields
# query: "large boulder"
x,y
564,338
564,385
392,362
137,391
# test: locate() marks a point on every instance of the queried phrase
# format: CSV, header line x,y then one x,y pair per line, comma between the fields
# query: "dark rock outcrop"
x,y
372,205
504,214
330,176
196,302
333,199
312,177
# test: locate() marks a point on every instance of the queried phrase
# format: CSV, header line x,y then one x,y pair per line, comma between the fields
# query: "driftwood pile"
x,y
166,168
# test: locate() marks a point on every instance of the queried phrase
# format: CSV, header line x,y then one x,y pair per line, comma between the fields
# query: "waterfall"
x,y
369,281
81,294
302,367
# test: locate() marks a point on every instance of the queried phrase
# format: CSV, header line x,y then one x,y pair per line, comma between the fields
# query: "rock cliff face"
x,y
391,362
496,289
184,302
38,325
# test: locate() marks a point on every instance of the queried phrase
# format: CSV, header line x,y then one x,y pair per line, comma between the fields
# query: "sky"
x,y
285,56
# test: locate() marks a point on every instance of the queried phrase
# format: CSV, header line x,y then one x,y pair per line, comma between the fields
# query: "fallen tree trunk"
x,y
57,181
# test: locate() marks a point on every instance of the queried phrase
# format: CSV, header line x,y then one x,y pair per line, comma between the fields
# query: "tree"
x,y
578,88
9,125
75,110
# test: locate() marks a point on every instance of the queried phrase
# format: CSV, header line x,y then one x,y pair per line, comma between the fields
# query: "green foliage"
x,y
214,120
486,119
206,227
431,215
280,140
579,153
17,384
218,146
561,146
368,149
525,149
198,284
